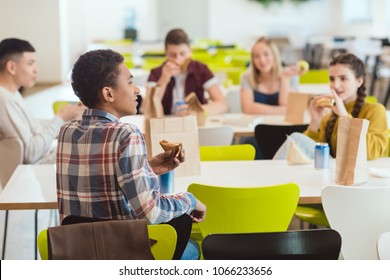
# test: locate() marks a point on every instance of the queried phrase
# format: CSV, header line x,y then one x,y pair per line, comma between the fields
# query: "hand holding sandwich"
x,y
339,106
320,105
172,68
171,158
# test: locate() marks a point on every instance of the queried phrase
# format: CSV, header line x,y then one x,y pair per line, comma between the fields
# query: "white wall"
x,y
97,20
60,30
37,22
190,15
244,21
379,27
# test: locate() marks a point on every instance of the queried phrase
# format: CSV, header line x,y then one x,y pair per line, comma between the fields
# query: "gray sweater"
x,y
38,136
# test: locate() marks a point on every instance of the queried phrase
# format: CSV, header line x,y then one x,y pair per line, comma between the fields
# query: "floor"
x,y
20,236
20,233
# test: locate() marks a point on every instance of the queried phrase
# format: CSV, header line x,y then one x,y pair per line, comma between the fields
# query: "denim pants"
x,y
192,251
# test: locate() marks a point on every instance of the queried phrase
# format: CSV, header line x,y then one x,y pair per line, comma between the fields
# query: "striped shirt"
x,y
103,172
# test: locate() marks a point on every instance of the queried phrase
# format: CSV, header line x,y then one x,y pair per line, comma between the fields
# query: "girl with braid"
x,y
347,84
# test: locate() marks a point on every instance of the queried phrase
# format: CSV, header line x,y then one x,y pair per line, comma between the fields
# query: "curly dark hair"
x,y
93,71
176,36
12,47
359,70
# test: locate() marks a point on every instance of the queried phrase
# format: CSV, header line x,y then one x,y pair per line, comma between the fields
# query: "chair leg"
x,y
387,95
374,74
56,217
36,235
5,234
53,219
312,226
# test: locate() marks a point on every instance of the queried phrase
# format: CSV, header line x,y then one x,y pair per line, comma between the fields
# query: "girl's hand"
x,y
339,108
291,70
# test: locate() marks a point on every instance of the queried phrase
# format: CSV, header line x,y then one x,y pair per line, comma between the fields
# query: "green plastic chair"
x,y
371,99
162,250
245,209
57,105
233,73
166,237
231,152
388,149
312,215
315,76
151,63
219,153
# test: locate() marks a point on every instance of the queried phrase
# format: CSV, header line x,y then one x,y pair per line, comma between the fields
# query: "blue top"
x,y
269,99
260,97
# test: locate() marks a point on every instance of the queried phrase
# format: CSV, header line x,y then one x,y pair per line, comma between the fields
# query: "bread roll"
x,y
325,102
183,66
171,146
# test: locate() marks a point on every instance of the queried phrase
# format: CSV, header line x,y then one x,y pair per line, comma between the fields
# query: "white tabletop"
x,y
30,187
272,172
34,186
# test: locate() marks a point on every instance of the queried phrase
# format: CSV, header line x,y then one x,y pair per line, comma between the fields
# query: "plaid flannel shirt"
x,y
103,172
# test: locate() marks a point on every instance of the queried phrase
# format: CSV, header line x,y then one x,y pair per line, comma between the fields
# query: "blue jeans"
x,y
192,251
252,141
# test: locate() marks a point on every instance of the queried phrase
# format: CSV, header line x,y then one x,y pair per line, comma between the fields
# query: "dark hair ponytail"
x,y
357,66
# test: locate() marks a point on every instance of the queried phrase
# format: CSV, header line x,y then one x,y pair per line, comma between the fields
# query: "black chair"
x,y
270,137
314,244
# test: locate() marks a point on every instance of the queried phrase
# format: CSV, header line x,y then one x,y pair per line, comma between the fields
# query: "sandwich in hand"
x,y
325,102
172,146
183,66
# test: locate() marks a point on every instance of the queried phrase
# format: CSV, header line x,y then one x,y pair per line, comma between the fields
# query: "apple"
x,y
303,66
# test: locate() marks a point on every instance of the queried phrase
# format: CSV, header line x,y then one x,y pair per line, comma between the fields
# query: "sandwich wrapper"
x,y
295,155
379,172
195,108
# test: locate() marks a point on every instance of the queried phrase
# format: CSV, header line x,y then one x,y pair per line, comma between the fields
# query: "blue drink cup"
x,y
177,105
321,156
166,182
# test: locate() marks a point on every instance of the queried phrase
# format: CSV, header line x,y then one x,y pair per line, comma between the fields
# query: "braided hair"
x,y
357,66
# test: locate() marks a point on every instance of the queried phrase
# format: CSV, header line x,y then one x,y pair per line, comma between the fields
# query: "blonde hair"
x,y
254,75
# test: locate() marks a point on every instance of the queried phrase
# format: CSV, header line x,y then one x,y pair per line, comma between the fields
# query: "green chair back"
x,y
166,237
388,149
164,234
43,245
244,210
231,152
57,105
315,76
371,99
311,214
